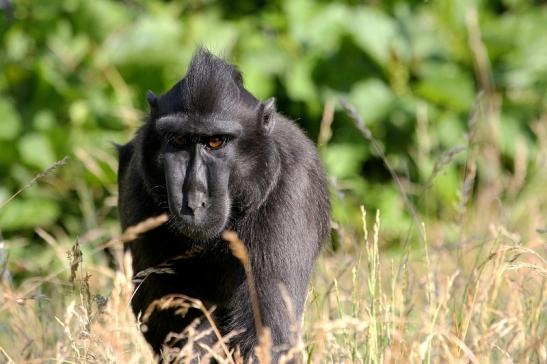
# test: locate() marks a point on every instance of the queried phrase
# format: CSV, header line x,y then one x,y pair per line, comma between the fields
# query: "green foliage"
x,y
74,75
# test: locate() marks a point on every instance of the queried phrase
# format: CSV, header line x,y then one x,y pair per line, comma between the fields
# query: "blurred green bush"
x,y
74,74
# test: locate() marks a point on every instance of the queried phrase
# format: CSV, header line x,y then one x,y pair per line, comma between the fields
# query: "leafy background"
x,y
433,112
74,74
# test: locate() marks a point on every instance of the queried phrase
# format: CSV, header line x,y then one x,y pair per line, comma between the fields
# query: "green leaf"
x,y
373,99
36,150
508,135
316,26
21,214
447,85
450,130
11,123
344,160
152,40
212,31
44,120
17,44
446,186
299,82
373,31
100,18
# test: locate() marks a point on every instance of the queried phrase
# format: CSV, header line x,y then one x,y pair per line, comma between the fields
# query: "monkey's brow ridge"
x,y
186,126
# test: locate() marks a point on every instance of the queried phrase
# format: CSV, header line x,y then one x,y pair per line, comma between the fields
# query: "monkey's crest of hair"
x,y
209,82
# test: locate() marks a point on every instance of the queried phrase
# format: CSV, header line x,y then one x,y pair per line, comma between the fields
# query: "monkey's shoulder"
x,y
293,142
125,153
134,203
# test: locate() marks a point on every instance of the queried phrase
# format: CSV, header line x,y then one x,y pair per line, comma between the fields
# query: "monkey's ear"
x,y
267,115
152,99
117,146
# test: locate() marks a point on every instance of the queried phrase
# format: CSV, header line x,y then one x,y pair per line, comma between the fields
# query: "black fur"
x,y
266,183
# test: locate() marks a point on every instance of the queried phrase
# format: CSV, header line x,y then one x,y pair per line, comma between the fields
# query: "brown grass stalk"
x,y
36,178
240,252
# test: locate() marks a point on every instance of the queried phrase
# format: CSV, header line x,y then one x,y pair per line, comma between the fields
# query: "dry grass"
x,y
469,289
490,309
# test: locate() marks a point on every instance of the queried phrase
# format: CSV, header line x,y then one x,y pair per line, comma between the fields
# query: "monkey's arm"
x,y
281,287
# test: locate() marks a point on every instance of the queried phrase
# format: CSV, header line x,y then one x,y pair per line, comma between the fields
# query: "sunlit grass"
x,y
487,307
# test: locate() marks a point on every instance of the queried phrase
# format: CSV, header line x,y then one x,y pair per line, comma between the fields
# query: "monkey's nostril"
x,y
196,201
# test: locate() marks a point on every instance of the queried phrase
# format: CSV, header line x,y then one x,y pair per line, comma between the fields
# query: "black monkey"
x,y
215,158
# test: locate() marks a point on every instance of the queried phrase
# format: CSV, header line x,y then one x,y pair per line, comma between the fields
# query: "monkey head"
x,y
204,146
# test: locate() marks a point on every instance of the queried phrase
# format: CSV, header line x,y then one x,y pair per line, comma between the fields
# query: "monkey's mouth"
x,y
197,220
179,209
198,226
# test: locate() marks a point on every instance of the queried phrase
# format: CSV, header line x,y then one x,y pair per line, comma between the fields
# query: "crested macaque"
x,y
215,158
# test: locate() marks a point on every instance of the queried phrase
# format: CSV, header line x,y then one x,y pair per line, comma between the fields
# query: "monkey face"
x,y
196,156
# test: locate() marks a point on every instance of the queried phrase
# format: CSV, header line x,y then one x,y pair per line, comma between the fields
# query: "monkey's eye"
x,y
178,140
215,142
